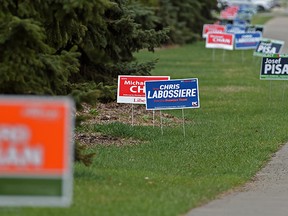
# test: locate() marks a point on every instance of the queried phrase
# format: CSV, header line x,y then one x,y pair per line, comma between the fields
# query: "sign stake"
x,y
132,115
283,92
213,55
270,93
223,55
184,132
153,118
161,122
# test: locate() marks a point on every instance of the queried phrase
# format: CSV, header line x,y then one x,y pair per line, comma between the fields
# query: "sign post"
x,y
268,47
212,28
172,94
131,89
220,41
274,67
36,151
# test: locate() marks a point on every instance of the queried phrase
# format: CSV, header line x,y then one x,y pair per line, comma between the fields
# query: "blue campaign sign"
x,y
247,40
172,94
239,22
267,47
235,28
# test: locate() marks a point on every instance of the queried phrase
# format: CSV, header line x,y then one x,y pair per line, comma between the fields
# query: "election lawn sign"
x,y
229,12
254,28
212,28
274,67
36,151
131,89
220,40
172,94
268,46
232,28
240,22
248,40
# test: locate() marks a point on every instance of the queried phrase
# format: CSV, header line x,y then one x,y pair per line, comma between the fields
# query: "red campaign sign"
x,y
131,89
209,28
228,15
229,12
220,40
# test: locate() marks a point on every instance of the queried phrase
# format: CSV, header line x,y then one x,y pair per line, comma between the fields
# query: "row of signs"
x,y
241,12
158,92
261,46
230,28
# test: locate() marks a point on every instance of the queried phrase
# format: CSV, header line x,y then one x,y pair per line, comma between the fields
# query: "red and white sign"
x,y
220,40
229,12
131,89
215,28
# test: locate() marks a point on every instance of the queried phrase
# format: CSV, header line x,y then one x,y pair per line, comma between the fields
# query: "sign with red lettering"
x,y
212,28
36,151
220,40
131,89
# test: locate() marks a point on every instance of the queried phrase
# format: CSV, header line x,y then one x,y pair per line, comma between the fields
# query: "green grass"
x,y
242,121
261,18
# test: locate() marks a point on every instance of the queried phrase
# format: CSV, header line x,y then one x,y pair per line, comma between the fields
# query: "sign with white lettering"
x,y
36,151
220,40
254,28
131,89
212,28
268,46
247,40
274,67
172,94
235,28
229,12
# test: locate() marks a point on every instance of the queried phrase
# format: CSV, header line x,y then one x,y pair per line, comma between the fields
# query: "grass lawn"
x,y
242,121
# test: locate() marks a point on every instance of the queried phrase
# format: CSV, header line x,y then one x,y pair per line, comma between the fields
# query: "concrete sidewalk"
x,y
268,194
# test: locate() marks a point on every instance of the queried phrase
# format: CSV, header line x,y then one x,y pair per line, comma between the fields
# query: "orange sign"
x,y
33,136
36,138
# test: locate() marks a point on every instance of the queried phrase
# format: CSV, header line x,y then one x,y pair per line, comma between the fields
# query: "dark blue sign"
x,y
172,94
268,47
274,67
235,28
254,28
247,40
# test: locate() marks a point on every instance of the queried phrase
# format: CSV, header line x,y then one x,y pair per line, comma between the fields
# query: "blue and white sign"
x,y
247,40
235,28
268,47
172,94
239,22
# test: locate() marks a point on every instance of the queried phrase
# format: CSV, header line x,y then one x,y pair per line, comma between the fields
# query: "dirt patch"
x,y
92,139
134,115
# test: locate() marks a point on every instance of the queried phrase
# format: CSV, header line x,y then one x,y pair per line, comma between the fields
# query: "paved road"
x,y
277,28
268,195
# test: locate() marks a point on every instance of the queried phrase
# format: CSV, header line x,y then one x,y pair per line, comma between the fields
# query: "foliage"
x,y
48,47
52,47
185,18
81,155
